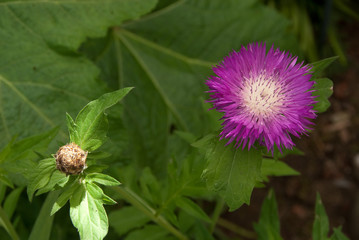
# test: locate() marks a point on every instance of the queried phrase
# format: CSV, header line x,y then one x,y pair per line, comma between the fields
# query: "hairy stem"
x,y
140,204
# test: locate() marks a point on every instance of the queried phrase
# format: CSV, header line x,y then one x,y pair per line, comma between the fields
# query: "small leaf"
x,y
268,227
102,179
319,66
57,178
64,197
72,128
232,172
91,122
338,235
41,176
149,232
321,222
126,219
95,169
271,167
191,208
323,90
88,215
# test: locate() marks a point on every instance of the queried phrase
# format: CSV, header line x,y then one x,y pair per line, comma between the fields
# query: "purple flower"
x,y
265,97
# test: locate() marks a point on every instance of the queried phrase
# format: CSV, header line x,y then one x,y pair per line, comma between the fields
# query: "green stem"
x,y
140,204
216,213
4,220
236,229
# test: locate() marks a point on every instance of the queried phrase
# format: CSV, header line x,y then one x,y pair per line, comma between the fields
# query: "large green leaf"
x,y
126,219
41,75
88,215
210,29
268,227
231,171
167,60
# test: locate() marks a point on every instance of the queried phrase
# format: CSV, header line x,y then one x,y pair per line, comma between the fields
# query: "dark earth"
x,y
330,165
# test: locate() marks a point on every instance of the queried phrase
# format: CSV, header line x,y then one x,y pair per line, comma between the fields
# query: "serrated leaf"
x,y
41,176
64,197
102,179
88,215
268,227
271,167
91,123
319,66
149,232
39,63
126,219
11,201
321,222
232,172
191,208
323,90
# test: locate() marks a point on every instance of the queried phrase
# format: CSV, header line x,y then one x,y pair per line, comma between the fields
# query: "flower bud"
x,y
71,159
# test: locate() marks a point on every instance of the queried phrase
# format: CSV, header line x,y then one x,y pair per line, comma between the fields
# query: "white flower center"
x,y
262,96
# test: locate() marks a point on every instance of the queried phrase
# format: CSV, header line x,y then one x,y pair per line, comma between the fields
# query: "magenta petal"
x,y
265,97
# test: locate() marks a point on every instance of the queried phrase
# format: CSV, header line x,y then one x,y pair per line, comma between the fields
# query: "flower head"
x,y
265,97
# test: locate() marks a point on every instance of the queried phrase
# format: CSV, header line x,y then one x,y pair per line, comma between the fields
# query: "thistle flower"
x,y
265,97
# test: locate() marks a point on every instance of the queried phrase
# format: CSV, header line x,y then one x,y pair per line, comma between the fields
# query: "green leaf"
x,y
167,63
102,179
11,201
91,123
97,193
71,125
43,225
192,208
338,235
232,24
232,172
16,158
69,190
149,232
41,176
41,74
88,215
268,227
5,222
57,178
271,167
319,66
321,222
127,219
323,90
